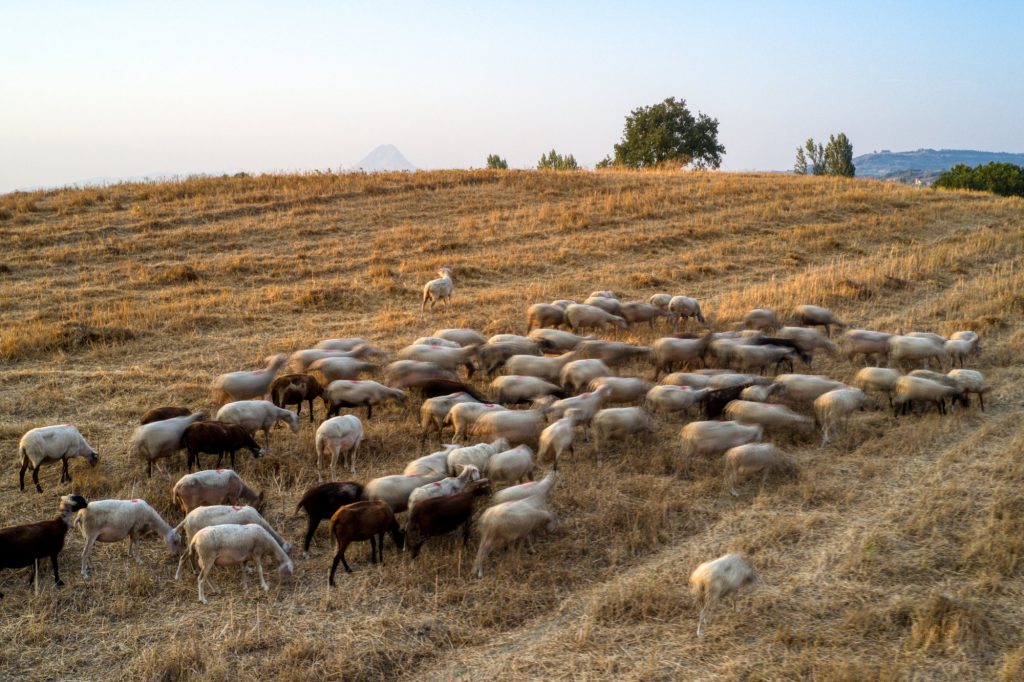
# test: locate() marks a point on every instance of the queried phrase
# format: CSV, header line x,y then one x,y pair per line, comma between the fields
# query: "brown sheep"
x,y
359,522
441,515
217,438
293,389
321,501
158,414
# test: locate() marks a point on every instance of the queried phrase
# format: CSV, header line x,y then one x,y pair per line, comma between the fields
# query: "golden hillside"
x,y
896,553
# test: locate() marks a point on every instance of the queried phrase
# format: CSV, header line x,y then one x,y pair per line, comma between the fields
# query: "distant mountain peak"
x,y
385,157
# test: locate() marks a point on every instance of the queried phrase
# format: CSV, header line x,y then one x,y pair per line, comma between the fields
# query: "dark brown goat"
x,y
321,501
217,438
293,389
804,355
24,545
435,388
359,522
158,414
493,356
714,402
441,515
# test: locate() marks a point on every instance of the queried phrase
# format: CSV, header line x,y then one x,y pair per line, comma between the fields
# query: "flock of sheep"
x,y
575,391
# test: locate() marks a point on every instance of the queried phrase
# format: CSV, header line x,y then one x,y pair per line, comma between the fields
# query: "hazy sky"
x,y
128,88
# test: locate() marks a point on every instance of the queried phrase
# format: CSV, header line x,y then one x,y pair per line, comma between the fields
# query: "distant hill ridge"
x,y
386,157
925,164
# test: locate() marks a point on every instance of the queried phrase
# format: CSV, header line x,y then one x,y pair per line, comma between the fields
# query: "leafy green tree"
x,y
1004,179
555,161
496,162
668,133
801,166
839,156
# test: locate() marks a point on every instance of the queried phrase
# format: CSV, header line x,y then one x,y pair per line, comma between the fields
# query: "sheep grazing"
x,y
622,389
511,466
332,369
608,304
541,367
907,351
541,488
437,290
434,412
507,522
681,308
971,381
660,300
619,423
475,455
687,379
160,413
353,393
464,415
395,489
881,379
714,580
520,427
557,439
414,374
753,458
359,522
511,338
494,354
47,444
434,463
669,352
217,438
222,515
611,352
579,373
516,390
673,400
234,544
161,439
797,346
463,337
767,415
816,316
442,515
544,315
635,312
213,486
434,388
714,437
916,388
832,410
579,316
604,293
808,340
446,358
557,341
336,437
734,380
321,501
958,349
761,319
804,388
760,358
294,389
587,403
761,393
341,344
435,341
446,486
301,360
247,385
115,520
26,544
871,344
256,415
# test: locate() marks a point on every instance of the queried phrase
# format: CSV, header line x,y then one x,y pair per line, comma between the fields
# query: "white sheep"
x,y
761,393
46,444
714,580
660,300
762,319
354,393
915,388
563,303
581,316
603,293
608,304
512,338
767,415
808,340
160,439
221,515
587,403
713,437
519,427
407,373
463,415
435,341
670,351
234,544
881,379
544,315
511,466
434,411
619,423
753,458
115,520
636,312
434,463
514,389
475,455
395,489
440,289
247,385
683,308
338,437
673,400
556,340
760,358
444,487
548,369
906,351
687,379
541,488
507,522
345,344
866,342
256,415
730,379
333,369
804,388
461,336
833,409
446,358
971,381
578,373
623,389
958,349
213,486
557,439
816,316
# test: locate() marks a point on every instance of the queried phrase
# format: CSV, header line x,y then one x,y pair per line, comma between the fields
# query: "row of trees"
x,y
1005,179
835,158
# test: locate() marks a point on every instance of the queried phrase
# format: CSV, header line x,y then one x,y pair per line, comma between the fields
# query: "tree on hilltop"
x,y
835,158
668,133
555,161
496,162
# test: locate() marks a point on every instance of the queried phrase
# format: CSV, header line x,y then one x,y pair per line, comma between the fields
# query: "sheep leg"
x,y
57,582
369,411
310,410
21,474
149,469
338,556
380,547
200,580
981,399
134,539
181,562
259,571
35,479
311,526
352,457
481,555
241,568
65,475
373,548
86,554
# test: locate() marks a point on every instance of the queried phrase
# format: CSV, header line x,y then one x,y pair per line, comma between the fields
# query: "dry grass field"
x,y
897,553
